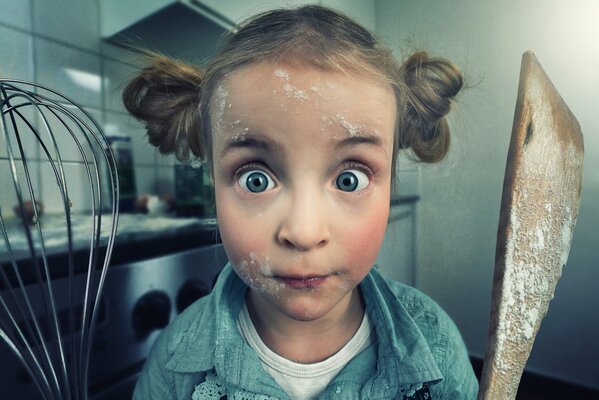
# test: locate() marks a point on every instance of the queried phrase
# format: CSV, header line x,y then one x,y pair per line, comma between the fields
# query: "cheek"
x,y
241,235
364,239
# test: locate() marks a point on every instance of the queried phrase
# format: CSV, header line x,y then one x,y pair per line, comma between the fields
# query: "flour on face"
x,y
257,272
220,106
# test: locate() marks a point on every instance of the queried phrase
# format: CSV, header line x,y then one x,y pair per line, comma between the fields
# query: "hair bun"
x,y
166,97
431,83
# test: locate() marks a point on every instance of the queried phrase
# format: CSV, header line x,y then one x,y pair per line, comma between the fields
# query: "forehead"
x,y
280,96
301,82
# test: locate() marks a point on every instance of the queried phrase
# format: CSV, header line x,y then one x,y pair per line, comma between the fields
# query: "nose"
x,y
304,225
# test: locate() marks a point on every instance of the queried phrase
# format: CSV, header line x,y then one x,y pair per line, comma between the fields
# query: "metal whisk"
x,y
57,170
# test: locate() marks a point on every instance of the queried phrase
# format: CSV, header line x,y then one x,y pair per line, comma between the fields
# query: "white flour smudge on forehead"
x,y
290,90
353,128
239,137
238,131
220,104
282,74
295,93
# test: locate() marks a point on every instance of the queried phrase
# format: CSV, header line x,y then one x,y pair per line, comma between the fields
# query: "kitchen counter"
x,y
139,237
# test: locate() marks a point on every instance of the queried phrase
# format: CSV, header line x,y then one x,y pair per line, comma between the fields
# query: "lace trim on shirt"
x,y
416,392
214,388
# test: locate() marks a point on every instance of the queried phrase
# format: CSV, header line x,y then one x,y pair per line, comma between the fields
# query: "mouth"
x,y
303,282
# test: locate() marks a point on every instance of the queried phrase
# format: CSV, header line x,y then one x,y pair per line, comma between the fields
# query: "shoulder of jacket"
x,y
434,323
183,331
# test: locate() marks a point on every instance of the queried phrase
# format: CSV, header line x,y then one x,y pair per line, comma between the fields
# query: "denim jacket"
x,y
417,351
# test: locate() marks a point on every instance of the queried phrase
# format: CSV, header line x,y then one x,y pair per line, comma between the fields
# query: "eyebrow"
x,y
249,140
361,138
253,140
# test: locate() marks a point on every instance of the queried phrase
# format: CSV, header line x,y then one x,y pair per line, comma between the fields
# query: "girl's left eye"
x,y
352,180
256,181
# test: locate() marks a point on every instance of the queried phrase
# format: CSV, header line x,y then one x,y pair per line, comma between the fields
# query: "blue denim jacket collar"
x,y
403,354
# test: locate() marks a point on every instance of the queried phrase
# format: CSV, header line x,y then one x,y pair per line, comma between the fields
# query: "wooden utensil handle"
x,y
541,195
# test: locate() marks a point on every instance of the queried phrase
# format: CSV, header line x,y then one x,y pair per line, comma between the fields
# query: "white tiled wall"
x,y
76,74
56,43
75,22
19,15
116,75
460,197
16,50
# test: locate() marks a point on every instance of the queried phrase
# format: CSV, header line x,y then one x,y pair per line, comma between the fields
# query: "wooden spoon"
x,y
539,206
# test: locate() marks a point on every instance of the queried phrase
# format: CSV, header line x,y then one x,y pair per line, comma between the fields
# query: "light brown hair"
x,y
174,98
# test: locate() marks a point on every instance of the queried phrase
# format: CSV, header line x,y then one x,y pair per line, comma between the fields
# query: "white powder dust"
x,y
282,74
351,127
295,93
257,272
220,102
239,137
290,90
538,238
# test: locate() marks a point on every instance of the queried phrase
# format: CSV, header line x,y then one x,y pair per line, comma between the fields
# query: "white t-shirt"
x,y
303,381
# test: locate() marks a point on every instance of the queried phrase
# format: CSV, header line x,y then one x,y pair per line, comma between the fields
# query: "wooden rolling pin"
x,y
539,205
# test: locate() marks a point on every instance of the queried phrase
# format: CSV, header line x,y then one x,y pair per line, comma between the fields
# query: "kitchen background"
x,y
442,229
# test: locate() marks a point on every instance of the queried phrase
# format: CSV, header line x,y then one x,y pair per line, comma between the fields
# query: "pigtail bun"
x,y
431,83
166,97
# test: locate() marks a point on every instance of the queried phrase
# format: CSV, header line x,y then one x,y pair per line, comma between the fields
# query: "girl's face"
x,y
302,172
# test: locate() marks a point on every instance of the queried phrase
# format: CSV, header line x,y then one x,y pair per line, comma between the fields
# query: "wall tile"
x,y
408,183
74,73
67,131
25,133
16,54
396,259
116,76
8,197
75,22
145,180
165,160
78,187
120,53
16,13
123,124
165,181
64,53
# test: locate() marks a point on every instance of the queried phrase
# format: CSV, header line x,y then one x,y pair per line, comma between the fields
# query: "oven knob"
x,y
189,292
152,311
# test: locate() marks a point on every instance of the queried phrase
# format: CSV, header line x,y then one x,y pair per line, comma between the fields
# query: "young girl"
x,y
300,118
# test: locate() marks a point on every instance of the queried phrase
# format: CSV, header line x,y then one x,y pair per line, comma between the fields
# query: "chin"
x,y
306,310
304,315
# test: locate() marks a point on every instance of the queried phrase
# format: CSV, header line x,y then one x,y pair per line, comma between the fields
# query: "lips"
x,y
303,282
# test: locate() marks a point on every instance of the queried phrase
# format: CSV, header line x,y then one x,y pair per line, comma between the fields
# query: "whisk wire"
x,y
46,292
45,365
36,373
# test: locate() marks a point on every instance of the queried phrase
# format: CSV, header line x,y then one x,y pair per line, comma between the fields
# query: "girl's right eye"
x,y
255,181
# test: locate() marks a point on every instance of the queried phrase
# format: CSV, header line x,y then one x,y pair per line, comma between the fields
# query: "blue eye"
x,y
352,180
255,181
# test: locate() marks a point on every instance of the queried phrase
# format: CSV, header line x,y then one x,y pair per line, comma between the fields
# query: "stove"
x,y
139,300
